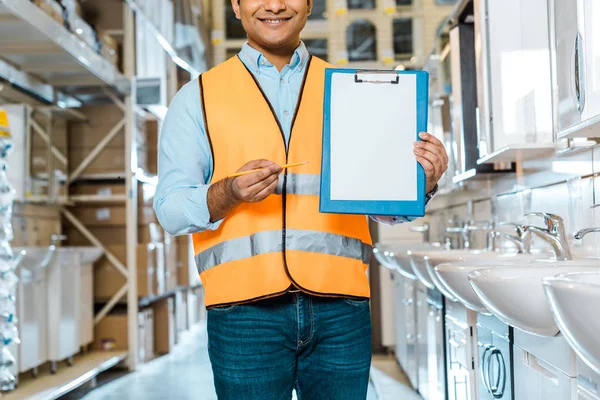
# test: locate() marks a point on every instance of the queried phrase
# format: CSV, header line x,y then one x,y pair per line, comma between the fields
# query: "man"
x,y
285,286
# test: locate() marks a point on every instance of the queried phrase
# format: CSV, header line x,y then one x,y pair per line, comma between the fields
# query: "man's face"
x,y
272,24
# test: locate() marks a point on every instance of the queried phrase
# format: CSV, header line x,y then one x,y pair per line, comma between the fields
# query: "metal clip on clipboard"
x,y
376,72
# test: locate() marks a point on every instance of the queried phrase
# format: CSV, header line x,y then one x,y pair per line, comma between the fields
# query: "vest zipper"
x,y
284,192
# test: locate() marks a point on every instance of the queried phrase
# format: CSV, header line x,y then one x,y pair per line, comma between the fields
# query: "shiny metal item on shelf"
x,y
553,233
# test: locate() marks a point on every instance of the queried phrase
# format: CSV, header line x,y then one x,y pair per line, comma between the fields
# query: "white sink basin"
x,y
35,257
384,255
575,300
516,296
423,263
402,257
454,276
89,255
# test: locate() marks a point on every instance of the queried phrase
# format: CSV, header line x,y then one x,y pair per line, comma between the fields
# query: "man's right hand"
x,y
256,186
225,195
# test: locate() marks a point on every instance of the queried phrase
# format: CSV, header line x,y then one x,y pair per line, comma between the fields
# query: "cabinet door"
x,y
422,317
435,351
410,324
400,311
566,31
591,46
521,105
534,117
506,68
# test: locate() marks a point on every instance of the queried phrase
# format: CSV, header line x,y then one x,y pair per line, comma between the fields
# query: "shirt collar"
x,y
255,60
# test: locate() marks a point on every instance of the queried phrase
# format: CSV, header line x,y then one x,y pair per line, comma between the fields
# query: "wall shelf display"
x,y
37,44
514,79
467,143
575,53
519,152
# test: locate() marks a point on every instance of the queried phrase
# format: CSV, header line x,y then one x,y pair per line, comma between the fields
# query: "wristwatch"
x,y
432,193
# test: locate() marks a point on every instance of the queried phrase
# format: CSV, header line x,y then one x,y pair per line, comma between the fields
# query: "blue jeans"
x,y
263,350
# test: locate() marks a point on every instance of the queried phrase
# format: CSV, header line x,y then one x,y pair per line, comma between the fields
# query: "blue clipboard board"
x,y
409,202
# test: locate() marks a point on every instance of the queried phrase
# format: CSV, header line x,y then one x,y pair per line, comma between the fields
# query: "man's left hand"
x,y
432,156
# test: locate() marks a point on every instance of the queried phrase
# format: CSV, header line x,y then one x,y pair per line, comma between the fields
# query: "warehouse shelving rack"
x,y
45,65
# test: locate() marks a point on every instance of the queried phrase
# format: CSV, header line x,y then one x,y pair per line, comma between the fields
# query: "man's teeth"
x,y
274,21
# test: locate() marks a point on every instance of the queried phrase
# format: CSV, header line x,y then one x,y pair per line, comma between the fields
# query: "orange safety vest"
x,y
263,249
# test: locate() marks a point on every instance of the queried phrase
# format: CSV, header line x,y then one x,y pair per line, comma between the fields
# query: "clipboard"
x,y
371,118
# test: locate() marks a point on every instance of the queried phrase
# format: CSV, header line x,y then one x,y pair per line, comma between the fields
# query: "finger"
x,y
427,166
439,151
266,174
256,164
430,138
254,178
431,147
435,161
260,186
263,194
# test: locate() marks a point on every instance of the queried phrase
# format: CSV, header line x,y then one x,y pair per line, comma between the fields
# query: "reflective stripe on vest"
x,y
272,241
301,184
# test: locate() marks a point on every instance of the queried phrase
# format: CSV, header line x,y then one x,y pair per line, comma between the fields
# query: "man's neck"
x,y
278,57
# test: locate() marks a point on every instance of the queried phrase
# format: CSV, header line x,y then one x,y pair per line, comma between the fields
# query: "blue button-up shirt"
x,y
185,159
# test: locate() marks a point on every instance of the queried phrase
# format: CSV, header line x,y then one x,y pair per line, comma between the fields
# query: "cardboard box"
x,y
150,278
109,49
170,262
149,338
84,31
101,119
184,240
164,325
52,8
109,235
141,337
111,333
97,216
180,315
187,273
34,225
145,191
109,160
84,136
152,135
192,308
106,14
72,7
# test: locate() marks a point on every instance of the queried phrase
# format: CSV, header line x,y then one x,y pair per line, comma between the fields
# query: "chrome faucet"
x,y
424,229
522,239
553,233
469,227
579,235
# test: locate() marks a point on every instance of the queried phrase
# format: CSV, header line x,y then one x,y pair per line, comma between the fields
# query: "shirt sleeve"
x,y
400,219
184,166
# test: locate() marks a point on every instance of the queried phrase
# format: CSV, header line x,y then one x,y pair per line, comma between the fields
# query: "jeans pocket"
x,y
223,309
356,303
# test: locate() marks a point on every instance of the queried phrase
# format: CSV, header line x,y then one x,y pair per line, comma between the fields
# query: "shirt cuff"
x,y
196,209
400,219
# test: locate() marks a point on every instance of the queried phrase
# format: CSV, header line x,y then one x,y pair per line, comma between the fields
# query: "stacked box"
x,y
187,273
150,272
164,325
171,260
111,334
84,136
52,8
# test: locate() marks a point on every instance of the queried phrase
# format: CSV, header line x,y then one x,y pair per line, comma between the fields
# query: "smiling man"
x,y
285,286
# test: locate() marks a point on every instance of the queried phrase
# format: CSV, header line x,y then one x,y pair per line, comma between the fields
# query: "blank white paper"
x,y
373,128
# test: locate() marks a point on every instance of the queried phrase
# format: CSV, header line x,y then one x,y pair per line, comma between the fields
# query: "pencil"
x,y
254,170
